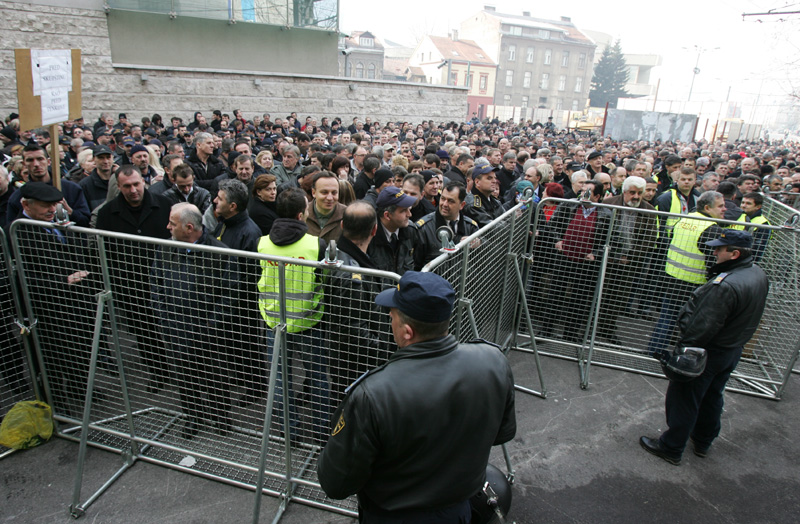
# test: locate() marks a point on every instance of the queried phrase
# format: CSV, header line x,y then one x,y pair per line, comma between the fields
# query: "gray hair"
x,y
235,193
378,150
708,199
199,138
634,181
579,175
509,156
189,214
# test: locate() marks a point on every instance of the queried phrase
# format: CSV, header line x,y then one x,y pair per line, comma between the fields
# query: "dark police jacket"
x,y
204,174
428,245
724,312
416,432
483,210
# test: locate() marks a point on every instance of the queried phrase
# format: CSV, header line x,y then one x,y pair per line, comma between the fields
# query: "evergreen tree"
x,y
610,77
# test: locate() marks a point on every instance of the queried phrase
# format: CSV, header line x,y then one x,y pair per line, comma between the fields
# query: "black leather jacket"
x,y
416,432
724,312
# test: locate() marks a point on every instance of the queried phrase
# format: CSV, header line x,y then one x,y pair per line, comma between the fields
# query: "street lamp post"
x,y
696,70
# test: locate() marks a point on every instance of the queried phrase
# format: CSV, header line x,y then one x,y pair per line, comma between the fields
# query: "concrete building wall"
x,y
170,90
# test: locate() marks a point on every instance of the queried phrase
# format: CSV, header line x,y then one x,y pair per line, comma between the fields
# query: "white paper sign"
x,y
55,106
51,69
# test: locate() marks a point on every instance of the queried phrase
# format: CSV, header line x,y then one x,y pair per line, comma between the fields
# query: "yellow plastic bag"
x,y
27,424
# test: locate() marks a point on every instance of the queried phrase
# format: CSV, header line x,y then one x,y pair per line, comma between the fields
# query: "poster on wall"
x,y
624,124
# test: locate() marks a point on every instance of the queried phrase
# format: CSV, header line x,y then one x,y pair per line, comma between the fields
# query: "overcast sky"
x,y
753,56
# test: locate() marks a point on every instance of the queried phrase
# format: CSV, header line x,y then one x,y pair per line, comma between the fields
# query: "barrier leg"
x,y
529,325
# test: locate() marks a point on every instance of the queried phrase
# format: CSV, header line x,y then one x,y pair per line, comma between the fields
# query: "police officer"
x,y
409,464
720,317
485,207
448,213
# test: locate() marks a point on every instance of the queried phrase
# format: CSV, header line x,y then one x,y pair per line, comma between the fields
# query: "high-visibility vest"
x,y
674,207
743,219
684,260
303,292
760,219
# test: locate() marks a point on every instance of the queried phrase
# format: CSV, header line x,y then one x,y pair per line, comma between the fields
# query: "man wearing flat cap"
x,y
720,317
594,163
412,437
62,290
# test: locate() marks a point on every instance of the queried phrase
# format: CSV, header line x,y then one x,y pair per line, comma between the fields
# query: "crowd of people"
x,y
381,191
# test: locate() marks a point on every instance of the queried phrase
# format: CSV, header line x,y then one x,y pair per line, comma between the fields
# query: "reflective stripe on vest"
x,y
303,292
684,260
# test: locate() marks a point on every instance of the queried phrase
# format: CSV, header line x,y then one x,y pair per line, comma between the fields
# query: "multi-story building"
x,y
456,62
360,56
540,63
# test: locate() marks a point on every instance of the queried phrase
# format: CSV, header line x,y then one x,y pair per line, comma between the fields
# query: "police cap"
x,y
426,297
732,237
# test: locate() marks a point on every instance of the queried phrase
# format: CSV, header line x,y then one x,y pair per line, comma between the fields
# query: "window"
x,y
366,41
565,59
524,102
482,83
559,104
582,60
371,71
562,82
509,78
468,80
506,100
542,100
516,30
349,69
512,53
455,53
359,70
574,105
529,55
526,80
548,55
545,81
479,55
579,84
453,78
544,33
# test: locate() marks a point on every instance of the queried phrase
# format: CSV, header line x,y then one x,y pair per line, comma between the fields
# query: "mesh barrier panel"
x,y
15,376
482,271
184,356
601,292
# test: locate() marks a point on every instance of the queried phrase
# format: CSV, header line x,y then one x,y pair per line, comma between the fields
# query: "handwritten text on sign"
x,y
52,81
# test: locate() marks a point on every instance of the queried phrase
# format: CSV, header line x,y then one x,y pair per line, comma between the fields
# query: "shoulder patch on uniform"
x,y
471,221
720,278
339,425
421,222
356,276
476,201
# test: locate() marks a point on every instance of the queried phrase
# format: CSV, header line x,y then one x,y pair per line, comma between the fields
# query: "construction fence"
x,y
599,292
162,353
220,363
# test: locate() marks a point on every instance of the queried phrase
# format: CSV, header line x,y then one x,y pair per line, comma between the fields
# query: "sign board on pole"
x,y
48,92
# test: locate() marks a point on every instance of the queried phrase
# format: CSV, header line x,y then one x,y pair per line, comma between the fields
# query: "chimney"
x,y
454,35
489,8
566,19
526,13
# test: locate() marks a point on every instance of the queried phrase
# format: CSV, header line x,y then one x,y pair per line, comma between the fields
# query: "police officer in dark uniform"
x,y
720,317
412,437
448,213
485,207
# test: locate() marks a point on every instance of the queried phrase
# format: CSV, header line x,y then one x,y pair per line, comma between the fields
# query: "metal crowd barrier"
x,y
157,350
617,308
786,212
488,270
15,365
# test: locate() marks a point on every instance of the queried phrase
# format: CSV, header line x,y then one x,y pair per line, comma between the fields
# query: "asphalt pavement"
x,y
576,458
